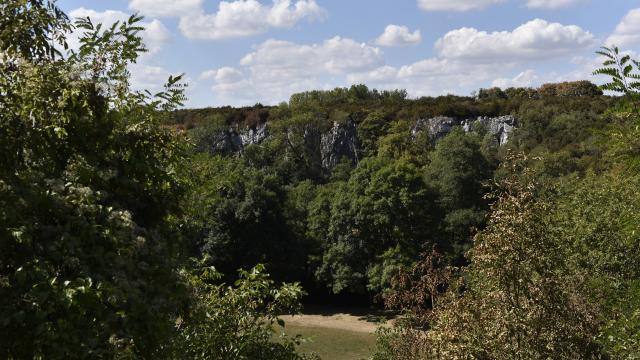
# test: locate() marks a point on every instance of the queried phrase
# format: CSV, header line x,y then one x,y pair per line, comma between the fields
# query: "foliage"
x,y
238,322
92,243
33,29
87,186
623,72
458,170
519,297
385,205
553,275
237,216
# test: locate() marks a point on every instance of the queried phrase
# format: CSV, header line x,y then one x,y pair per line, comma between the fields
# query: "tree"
x,y
457,171
238,217
86,189
371,129
382,216
623,72
93,259
237,322
519,298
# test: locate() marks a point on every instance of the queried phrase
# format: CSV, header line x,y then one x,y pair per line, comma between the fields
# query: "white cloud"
x,y
396,35
336,55
627,32
282,14
144,75
551,4
428,77
383,74
535,40
154,36
527,78
467,59
107,17
456,5
277,69
248,17
223,75
148,77
165,8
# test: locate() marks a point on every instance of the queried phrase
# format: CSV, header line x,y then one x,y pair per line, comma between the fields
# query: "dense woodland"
x,y
130,228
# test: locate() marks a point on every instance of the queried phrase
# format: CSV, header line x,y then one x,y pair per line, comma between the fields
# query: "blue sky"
x,y
240,52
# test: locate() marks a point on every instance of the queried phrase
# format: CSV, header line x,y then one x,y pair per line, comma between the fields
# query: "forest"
x,y
500,225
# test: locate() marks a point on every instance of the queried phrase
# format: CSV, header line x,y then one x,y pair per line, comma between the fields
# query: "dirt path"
x,y
335,320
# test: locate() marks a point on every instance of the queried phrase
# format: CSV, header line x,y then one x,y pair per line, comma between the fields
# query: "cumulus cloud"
x,y
165,8
429,77
149,77
155,34
627,32
466,59
456,5
223,75
106,17
276,69
535,40
396,35
248,17
552,4
144,74
527,78
336,55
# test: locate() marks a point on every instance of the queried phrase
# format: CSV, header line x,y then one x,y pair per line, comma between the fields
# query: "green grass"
x,y
334,344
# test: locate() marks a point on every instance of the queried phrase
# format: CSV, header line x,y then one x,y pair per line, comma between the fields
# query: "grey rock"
x,y
234,141
500,127
438,127
226,142
253,135
341,141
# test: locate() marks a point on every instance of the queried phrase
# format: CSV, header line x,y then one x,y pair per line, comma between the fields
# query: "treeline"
x,y
487,102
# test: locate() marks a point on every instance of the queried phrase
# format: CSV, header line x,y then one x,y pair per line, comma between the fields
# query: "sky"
x,y
243,52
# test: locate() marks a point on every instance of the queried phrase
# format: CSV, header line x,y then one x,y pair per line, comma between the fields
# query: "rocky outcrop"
x,y
500,127
234,140
326,148
341,141
438,127
253,135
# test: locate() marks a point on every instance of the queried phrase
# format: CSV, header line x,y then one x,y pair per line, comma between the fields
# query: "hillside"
x,y
356,183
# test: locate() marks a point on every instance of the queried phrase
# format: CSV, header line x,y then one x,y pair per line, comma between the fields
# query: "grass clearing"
x,y
332,343
337,333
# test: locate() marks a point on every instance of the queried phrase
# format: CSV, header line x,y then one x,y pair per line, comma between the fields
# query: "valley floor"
x,y
336,334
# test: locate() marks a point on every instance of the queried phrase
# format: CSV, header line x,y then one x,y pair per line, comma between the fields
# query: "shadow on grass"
x,y
370,315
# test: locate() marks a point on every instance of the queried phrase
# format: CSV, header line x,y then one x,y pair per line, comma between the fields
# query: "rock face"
x,y
326,148
500,127
438,127
253,135
233,140
341,141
